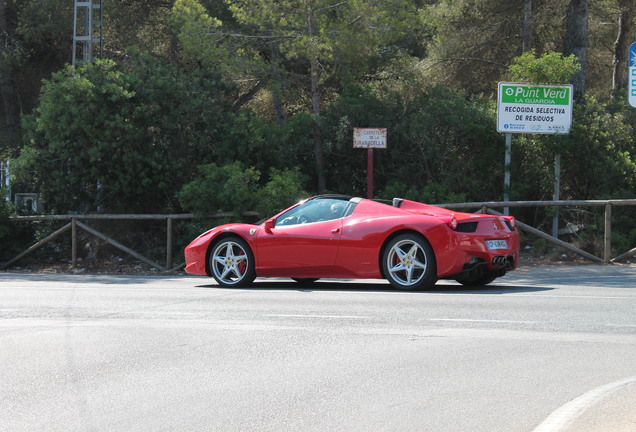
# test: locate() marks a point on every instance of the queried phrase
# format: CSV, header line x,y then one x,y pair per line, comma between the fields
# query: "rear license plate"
x,y
496,244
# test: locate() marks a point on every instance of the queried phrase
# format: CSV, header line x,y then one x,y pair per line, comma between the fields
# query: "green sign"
x,y
532,108
522,94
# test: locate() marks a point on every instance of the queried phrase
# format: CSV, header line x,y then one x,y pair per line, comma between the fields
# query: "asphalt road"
x,y
107,353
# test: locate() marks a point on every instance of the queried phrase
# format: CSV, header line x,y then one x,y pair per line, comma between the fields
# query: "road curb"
x,y
564,416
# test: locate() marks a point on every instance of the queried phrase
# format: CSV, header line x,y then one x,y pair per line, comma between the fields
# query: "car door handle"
x,y
335,231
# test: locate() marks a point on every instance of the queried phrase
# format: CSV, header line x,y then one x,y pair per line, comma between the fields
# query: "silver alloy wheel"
x,y
406,262
230,262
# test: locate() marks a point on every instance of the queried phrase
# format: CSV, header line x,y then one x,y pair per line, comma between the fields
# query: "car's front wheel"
x,y
232,263
408,262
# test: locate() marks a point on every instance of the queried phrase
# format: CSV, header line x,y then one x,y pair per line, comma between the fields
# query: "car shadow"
x,y
357,286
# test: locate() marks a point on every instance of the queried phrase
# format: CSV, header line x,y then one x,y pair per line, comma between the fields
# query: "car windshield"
x,y
316,210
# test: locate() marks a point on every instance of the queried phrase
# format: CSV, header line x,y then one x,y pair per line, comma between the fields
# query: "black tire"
x,y
408,263
232,262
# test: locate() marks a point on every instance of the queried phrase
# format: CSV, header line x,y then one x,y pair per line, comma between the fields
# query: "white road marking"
x,y
482,320
569,296
566,414
318,316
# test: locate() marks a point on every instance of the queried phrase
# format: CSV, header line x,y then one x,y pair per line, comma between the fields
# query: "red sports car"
x,y
334,236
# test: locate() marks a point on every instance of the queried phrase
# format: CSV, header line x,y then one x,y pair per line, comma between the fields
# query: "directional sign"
x,y
632,76
531,108
369,138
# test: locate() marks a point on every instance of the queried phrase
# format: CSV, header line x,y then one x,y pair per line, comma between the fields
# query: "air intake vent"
x,y
467,227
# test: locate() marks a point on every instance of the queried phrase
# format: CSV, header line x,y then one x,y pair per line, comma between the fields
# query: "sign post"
x,y
538,109
369,138
631,76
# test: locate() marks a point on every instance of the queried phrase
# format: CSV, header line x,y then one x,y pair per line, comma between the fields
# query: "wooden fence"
x,y
76,222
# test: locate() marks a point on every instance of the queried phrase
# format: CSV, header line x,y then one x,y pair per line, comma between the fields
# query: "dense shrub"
x,y
232,188
120,138
440,144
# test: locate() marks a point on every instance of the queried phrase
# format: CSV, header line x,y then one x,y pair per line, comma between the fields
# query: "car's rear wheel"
x,y
408,262
232,263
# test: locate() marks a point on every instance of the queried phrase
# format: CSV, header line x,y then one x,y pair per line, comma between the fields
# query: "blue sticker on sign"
x,y
632,55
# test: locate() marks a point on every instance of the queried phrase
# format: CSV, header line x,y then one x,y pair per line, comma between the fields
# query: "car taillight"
x,y
511,223
453,223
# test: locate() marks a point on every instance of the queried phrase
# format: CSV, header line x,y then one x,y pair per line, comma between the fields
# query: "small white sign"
x,y
532,108
369,138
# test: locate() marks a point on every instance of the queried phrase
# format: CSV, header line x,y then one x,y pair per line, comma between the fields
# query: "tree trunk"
x,y
314,73
315,102
527,25
576,42
621,48
277,80
247,96
9,102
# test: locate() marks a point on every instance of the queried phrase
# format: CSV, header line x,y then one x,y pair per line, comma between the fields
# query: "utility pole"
x,y
88,38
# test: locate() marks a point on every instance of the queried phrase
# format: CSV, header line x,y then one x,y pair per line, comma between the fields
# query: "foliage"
x,y
597,162
435,137
470,42
601,145
433,193
443,138
250,90
13,236
221,189
255,36
283,189
232,188
5,212
548,68
120,139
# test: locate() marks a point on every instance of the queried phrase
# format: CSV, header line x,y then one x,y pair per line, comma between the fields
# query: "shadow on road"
x,y
348,286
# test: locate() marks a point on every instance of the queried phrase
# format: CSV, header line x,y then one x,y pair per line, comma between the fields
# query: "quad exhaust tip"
x,y
499,261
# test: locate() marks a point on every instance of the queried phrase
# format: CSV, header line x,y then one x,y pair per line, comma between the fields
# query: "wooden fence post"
x,y
169,243
608,233
73,243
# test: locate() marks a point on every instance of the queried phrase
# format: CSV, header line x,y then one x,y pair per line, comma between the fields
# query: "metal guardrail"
x,y
75,222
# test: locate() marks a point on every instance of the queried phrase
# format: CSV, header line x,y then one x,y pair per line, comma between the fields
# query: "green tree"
x,y
548,68
327,39
232,188
438,143
471,42
120,140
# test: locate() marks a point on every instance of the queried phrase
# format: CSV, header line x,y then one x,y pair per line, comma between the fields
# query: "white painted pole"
x,y
507,171
557,194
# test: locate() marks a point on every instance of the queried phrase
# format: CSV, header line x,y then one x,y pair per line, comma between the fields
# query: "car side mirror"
x,y
269,225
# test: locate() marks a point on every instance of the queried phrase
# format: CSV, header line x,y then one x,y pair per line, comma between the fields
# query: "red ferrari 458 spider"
x,y
410,244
